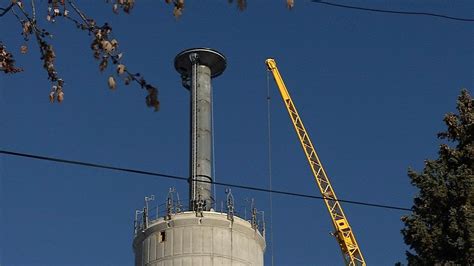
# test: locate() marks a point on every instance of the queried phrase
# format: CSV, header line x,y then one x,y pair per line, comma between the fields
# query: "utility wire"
x,y
128,170
393,11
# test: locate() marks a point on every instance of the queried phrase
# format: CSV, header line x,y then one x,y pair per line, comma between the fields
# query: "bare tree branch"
x,y
104,46
33,8
106,49
7,62
6,9
79,12
47,53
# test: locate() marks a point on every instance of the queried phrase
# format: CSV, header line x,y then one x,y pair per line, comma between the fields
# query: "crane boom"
x,y
343,232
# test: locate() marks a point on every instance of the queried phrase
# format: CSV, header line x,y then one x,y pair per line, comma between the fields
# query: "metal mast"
x,y
200,235
197,66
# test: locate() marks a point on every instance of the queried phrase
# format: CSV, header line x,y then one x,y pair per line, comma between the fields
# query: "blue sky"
x,y
371,88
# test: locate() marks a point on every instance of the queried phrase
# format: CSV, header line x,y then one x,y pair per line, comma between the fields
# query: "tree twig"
x,y
104,48
79,12
6,9
33,8
47,54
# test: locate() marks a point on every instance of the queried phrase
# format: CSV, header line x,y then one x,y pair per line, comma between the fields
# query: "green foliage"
x,y
441,228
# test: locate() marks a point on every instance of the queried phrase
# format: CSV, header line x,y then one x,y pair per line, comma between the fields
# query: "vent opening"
x,y
162,236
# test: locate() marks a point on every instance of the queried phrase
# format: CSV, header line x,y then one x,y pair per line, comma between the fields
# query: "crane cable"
x,y
270,162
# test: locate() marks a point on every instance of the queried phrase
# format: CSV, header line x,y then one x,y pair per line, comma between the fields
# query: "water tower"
x,y
199,234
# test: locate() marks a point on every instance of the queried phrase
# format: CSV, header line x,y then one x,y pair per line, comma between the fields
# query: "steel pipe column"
x,y
197,67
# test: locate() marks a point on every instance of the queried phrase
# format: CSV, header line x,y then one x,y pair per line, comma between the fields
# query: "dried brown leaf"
x,y
60,96
51,97
103,64
111,82
290,3
23,49
242,4
120,69
115,8
107,46
177,12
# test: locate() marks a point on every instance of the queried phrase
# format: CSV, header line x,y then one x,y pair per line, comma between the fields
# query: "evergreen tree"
x,y
441,228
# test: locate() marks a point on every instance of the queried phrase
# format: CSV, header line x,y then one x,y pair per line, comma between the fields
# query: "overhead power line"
x,y
134,171
393,11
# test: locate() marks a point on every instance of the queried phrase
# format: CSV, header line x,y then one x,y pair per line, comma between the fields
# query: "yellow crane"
x,y
343,232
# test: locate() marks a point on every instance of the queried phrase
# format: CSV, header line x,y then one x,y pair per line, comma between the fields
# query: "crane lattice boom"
x,y
343,232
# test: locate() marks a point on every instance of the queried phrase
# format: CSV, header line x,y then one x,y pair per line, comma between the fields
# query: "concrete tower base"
x,y
186,240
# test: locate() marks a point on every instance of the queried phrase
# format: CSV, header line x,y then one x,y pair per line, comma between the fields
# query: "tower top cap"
x,y
206,56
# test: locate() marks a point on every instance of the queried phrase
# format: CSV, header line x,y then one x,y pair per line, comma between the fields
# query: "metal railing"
x,y
173,205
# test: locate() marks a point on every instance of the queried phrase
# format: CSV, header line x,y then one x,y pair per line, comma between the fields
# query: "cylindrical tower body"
x,y
197,67
211,240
